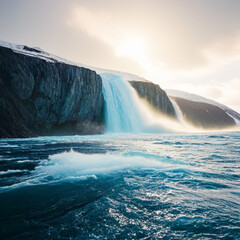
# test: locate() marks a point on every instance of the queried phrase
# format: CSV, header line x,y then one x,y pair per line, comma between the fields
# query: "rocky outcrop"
x,y
204,115
38,97
155,96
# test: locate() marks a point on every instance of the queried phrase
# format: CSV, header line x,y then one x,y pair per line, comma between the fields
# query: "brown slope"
x,y
204,115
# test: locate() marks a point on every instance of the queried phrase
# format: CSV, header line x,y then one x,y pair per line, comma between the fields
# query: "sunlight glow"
x,y
133,47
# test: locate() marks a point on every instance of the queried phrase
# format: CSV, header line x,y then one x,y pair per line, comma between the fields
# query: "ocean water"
x,y
121,186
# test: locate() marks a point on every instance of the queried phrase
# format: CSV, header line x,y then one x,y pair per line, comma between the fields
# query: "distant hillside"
x,y
203,112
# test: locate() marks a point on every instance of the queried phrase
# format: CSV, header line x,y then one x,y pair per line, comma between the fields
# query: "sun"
x,y
133,47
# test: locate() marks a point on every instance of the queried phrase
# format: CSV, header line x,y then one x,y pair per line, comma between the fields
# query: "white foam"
x,y
26,161
73,164
10,171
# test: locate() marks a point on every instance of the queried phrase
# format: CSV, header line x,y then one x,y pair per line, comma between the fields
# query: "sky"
x,y
189,45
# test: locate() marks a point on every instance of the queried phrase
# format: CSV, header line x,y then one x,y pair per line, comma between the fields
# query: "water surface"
x,y
129,186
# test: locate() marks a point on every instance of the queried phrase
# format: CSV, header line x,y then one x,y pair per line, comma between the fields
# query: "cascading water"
x,y
178,112
121,108
184,124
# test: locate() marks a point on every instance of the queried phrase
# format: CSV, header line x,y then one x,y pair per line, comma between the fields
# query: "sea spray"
x,y
186,126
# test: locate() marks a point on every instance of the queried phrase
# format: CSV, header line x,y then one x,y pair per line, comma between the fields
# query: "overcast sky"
x,y
190,45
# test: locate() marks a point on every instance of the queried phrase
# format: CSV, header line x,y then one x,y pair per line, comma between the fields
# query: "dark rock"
x,y
44,98
31,49
204,115
155,96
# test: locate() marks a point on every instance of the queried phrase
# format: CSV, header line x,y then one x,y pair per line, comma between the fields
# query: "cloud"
x,y
99,25
224,92
181,34
230,93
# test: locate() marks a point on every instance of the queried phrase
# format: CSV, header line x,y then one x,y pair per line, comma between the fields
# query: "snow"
x,y
39,53
190,97
196,98
125,76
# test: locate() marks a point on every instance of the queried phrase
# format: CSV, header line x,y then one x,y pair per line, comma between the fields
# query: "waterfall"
x,y
178,111
185,125
121,110
125,112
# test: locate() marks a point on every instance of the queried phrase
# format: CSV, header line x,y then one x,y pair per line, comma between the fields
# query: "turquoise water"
x,y
121,186
121,108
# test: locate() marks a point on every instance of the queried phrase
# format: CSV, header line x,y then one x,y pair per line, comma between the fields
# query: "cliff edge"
x,y
155,96
47,97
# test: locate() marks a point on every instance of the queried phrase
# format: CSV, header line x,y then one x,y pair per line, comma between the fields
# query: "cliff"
x,y
203,112
40,97
155,96
204,115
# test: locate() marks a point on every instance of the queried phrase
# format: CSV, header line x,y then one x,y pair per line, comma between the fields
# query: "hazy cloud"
x,y
181,34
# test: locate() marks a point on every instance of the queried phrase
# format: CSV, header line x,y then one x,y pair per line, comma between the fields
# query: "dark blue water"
x,y
121,187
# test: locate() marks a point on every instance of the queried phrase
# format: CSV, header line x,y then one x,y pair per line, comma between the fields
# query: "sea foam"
x,y
75,164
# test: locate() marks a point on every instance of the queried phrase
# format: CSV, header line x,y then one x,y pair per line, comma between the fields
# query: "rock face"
x,y
38,97
204,115
155,96
203,112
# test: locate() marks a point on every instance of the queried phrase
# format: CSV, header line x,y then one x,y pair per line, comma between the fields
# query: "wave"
x,y
75,166
12,171
28,161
